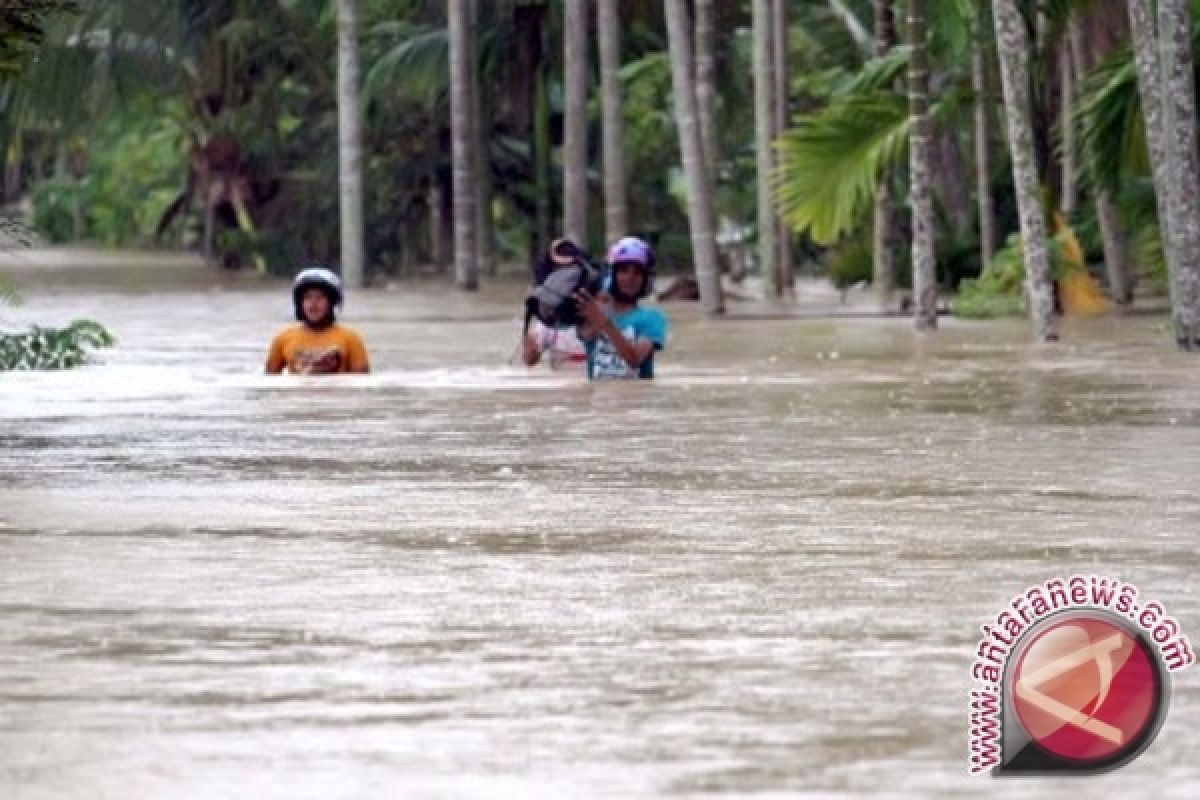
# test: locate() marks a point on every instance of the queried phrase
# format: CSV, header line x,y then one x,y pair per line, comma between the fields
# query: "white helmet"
x,y
316,278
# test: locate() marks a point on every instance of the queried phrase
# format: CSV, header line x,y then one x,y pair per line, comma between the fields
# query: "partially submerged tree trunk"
x,y
481,160
983,138
1012,43
1148,61
701,221
1108,214
1183,166
706,86
780,93
544,223
950,177
763,127
575,87
350,146
528,19
882,256
924,273
609,24
461,73
439,248
1069,199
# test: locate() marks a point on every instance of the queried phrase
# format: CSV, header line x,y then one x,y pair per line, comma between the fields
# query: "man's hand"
x,y
596,321
591,309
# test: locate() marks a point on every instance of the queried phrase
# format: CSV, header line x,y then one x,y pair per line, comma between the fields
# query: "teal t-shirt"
x,y
603,360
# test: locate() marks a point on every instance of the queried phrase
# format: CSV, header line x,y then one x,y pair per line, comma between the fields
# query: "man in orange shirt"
x,y
318,345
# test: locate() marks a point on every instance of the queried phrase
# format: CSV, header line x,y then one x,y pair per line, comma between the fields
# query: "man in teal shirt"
x,y
621,338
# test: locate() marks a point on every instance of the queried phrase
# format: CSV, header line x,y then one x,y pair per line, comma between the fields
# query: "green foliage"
x,y
831,161
54,204
1110,120
133,175
998,292
53,348
1000,289
22,28
979,302
851,262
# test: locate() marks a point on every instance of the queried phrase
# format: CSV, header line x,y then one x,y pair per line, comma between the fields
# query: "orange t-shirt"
x,y
307,352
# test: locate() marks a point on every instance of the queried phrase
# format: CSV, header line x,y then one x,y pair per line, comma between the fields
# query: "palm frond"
x,y
830,163
415,67
952,30
1110,120
880,73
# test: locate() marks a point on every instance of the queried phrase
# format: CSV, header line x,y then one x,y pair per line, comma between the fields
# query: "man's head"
x,y
632,263
316,294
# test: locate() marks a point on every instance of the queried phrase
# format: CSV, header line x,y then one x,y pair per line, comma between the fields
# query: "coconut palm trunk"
x,y
1148,61
701,222
575,60
924,273
1179,125
608,25
779,51
981,86
1108,214
480,155
461,74
1066,124
706,85
350,191
882,256
764,126
1012,43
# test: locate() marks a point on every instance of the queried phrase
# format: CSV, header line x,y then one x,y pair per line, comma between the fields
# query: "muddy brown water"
x,y
761,575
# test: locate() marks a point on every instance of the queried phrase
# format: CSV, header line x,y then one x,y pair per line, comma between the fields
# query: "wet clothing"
x,y
603,360
559,346
307,352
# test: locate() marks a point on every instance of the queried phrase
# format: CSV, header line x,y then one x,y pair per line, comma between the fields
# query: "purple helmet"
x,y
632,249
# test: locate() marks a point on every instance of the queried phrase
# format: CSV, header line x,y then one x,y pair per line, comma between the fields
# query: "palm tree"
x,y
699,192
349,145
1179,124
980,69
1069,199
608,24
481,156
1108,213
779,92
1012,43
1147,58
763,127
706,85
575,60
461,75
921,169
883,259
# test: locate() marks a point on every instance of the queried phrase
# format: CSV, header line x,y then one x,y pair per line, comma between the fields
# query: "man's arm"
x,y
531,350
275,360
632,352
356,360
597,321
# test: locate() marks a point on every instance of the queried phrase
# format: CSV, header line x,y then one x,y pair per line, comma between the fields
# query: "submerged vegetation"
x,y
53,348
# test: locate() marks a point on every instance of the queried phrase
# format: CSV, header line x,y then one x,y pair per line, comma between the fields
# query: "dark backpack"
x,y
552,300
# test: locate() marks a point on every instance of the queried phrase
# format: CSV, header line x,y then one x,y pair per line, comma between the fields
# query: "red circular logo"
x,y
1085,689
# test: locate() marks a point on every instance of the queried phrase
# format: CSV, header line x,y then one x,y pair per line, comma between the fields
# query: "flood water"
x,y
761,575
